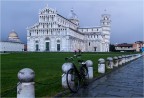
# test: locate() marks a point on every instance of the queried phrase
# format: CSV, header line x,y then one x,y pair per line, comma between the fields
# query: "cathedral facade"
x,y
53,32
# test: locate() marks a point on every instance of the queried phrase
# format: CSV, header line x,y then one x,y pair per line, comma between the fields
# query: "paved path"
x,y
124,82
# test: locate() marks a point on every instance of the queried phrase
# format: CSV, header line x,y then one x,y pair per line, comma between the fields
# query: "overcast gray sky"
x,y
126,15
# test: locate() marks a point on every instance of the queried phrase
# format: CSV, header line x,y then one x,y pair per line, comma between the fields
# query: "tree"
x,y
112,48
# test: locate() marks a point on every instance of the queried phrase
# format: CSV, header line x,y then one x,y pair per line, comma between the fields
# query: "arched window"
x,y
47,31
58,45
37,47
47,44
89,43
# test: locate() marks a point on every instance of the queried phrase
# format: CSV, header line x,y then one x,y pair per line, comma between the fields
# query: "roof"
x,y
139,42
89,27
124,45
77,31
65,18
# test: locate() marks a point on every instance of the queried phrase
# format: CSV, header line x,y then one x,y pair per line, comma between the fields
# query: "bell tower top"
x,y
105,19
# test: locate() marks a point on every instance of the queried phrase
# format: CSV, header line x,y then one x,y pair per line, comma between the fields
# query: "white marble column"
x,y
53,44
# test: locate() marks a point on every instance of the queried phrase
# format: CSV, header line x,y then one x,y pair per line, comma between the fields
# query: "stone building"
x,y
54,32
138,45
13,43
124,47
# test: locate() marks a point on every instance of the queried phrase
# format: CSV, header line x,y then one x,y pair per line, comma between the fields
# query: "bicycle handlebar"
x,y
76,55
69,59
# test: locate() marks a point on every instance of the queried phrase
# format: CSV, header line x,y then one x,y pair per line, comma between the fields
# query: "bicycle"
x,y
75,77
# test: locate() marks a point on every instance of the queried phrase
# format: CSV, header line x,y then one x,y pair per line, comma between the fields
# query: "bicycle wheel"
x,y
73,80
85,75
84,71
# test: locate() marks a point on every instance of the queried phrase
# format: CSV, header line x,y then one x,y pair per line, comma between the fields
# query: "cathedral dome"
x,y
72,15
13,36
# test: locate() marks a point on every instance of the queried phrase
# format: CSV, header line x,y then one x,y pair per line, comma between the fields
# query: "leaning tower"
x,y
106,30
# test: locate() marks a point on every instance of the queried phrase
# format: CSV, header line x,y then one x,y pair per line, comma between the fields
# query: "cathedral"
x,y
54,32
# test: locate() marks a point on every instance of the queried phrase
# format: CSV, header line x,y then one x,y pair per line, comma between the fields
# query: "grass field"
x,y
47,67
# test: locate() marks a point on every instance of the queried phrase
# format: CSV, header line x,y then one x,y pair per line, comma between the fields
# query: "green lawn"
x,y
47,67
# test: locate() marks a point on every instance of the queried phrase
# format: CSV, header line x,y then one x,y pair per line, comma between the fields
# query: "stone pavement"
x,y
124,82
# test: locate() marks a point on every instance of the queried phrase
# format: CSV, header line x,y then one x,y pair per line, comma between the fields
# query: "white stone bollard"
x,y
123,59
65,68
130,57
64,81
119,60
25,88
109,63
101,65
115,61
89,65
138,55
126,58
133,57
